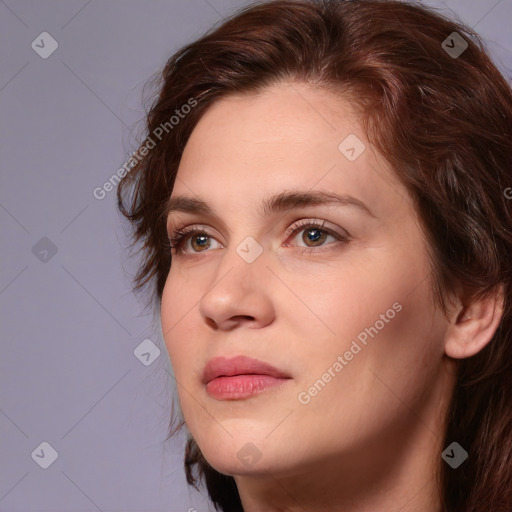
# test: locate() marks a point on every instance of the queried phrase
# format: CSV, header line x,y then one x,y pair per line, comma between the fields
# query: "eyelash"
x,y
181,236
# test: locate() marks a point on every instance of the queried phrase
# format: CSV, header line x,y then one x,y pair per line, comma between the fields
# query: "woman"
x,y
335,295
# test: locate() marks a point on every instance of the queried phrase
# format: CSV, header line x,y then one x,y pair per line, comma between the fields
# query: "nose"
x,y
239,293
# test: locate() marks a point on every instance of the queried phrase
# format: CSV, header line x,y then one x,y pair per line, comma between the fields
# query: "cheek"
x,y
380,319
332,305
176,305
411,352
391,351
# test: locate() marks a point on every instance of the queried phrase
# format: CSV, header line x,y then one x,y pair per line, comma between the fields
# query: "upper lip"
x,y
239,365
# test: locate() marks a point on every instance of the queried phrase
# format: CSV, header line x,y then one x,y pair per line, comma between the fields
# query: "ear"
x,y
473,325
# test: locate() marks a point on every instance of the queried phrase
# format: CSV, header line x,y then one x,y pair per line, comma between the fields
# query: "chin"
x,y
241,455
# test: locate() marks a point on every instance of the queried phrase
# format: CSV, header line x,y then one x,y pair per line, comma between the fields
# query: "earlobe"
x,y
472,326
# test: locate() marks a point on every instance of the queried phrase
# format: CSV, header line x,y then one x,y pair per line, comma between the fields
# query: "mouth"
x,y
240,377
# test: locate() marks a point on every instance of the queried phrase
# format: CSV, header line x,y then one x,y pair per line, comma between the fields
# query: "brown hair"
x,y
443,122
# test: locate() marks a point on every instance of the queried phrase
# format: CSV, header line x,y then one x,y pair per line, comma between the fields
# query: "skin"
x,y
371,438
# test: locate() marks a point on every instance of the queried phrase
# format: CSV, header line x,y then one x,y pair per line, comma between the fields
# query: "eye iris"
x,y
204,239
318,235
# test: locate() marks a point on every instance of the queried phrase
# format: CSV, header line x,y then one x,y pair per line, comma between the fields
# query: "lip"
x,y
240,377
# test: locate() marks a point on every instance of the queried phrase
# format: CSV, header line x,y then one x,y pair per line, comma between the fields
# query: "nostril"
x,y
211,323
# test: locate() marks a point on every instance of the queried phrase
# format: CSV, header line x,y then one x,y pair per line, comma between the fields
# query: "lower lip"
x,y
241,386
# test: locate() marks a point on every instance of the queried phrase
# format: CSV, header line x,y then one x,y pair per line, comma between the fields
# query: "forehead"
x,y
285,120
286,136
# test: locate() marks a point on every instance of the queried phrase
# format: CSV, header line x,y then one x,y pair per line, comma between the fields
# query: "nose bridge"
x,y
244,261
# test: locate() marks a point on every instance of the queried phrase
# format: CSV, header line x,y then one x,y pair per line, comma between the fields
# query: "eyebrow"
x,y
282,202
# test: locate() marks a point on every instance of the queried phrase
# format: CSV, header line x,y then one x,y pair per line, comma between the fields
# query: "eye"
x,y
198,237
314,235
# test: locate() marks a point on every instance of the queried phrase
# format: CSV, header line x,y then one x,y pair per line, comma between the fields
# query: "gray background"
x,y
69,322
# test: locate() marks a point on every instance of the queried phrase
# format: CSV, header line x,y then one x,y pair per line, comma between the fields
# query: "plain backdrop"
x,y
71,328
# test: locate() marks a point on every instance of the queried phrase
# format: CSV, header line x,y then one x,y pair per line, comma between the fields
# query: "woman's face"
x,y
334,295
